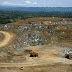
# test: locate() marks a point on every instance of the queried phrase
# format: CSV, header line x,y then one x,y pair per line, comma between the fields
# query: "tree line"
x,y
13,16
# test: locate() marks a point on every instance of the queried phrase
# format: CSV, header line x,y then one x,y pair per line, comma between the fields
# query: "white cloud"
x,y
28,2
12,3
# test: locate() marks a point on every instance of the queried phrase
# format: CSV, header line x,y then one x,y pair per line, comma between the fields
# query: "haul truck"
x,y
34,54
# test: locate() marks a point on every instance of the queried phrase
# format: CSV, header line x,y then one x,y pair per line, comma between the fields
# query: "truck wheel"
x,y
31,55
35,55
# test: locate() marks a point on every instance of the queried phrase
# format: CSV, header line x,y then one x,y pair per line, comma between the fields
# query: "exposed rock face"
x,y
38,32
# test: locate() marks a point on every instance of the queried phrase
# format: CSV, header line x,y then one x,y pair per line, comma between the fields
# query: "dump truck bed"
x,y
33,53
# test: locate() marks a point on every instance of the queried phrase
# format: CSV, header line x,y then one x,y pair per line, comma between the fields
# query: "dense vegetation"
x,y
16,15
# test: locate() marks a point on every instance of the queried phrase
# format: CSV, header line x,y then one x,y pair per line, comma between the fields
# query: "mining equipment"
x,y
34,54
68,55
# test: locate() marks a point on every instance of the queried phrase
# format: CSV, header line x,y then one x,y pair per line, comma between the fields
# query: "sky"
x,y
37,3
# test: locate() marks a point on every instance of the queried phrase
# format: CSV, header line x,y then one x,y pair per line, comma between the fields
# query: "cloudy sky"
x,y
37,3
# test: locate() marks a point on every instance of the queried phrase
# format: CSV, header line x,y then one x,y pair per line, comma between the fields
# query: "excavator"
x,y
68,55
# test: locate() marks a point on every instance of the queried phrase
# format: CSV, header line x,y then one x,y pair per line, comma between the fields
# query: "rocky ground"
x,y
51,38
42,68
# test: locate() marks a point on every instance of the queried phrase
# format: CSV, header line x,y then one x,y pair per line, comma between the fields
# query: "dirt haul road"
x,y
8,37
47,55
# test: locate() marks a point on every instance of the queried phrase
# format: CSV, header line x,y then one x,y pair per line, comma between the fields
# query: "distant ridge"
x,y
37,9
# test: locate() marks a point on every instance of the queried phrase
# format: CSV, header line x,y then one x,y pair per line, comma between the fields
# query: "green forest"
x,y
13,16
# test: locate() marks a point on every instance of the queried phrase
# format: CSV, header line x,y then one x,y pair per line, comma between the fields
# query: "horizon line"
x,y
32,6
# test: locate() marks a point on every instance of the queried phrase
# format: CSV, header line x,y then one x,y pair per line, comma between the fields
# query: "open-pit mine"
x,y
51,38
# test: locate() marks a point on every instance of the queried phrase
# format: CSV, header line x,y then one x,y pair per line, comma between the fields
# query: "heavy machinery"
x,y
21,68
68,55
34,54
